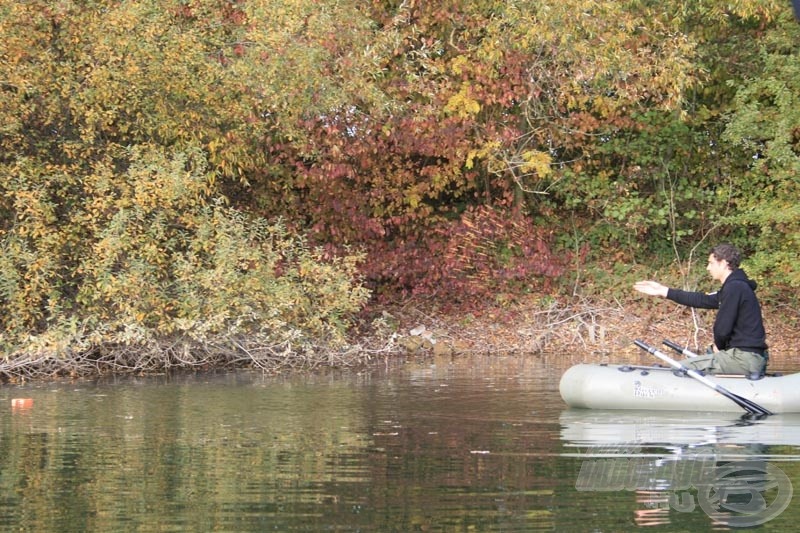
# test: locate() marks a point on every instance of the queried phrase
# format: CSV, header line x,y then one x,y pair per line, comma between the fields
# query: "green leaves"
x,y
765,126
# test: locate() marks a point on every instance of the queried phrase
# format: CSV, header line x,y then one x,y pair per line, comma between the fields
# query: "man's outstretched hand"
x,y
651,288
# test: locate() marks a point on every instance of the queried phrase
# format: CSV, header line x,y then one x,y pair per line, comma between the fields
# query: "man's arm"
x,y
691,299
694,299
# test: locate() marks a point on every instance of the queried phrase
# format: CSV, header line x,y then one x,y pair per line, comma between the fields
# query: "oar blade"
x,y
748,405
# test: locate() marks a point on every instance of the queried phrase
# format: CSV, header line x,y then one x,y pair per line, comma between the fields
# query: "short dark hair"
x,y
729,253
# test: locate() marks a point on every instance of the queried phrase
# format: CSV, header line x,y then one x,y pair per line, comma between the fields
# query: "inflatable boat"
x,y
611,386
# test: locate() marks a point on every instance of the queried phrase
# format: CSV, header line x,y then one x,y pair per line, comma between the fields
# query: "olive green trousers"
x,y
730,361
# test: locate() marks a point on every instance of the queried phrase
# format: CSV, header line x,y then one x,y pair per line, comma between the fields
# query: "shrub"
x,y
143,258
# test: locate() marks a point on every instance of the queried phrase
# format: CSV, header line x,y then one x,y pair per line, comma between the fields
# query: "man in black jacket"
x,y
740,345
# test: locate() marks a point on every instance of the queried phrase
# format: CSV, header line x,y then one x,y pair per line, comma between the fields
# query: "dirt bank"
x,y
579,331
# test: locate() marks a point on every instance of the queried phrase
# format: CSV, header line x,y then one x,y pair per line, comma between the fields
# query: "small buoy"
x,y
21,404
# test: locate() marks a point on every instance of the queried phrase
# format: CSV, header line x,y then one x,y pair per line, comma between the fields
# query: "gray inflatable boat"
x,y
599,386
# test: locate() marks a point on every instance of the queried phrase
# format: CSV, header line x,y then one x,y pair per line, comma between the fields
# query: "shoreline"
x,y
587,332
575,332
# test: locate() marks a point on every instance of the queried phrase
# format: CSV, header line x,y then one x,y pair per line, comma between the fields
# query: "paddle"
x,y
749,406
678,348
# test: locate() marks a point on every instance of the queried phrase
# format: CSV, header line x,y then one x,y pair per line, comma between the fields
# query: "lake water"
x,y
474,444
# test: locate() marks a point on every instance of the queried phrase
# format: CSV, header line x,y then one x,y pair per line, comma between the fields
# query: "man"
x,y
740,345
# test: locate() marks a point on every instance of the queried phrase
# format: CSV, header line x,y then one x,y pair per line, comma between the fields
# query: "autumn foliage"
x,y
204,170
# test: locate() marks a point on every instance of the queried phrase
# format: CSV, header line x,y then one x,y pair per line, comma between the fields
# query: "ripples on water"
x,y
481,444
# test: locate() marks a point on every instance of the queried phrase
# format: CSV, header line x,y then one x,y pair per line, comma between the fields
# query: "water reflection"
x,y
482,444
728,466
679,432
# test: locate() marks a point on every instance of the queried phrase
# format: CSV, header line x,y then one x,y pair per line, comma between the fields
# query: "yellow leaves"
x,y
413,199
458,63
462,104
487,151
537,162
765,10
606,55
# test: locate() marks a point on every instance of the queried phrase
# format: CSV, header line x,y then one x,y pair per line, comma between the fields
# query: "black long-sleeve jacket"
x,y
739,323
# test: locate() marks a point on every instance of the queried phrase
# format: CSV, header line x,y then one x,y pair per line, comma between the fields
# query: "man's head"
x,y
723,259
